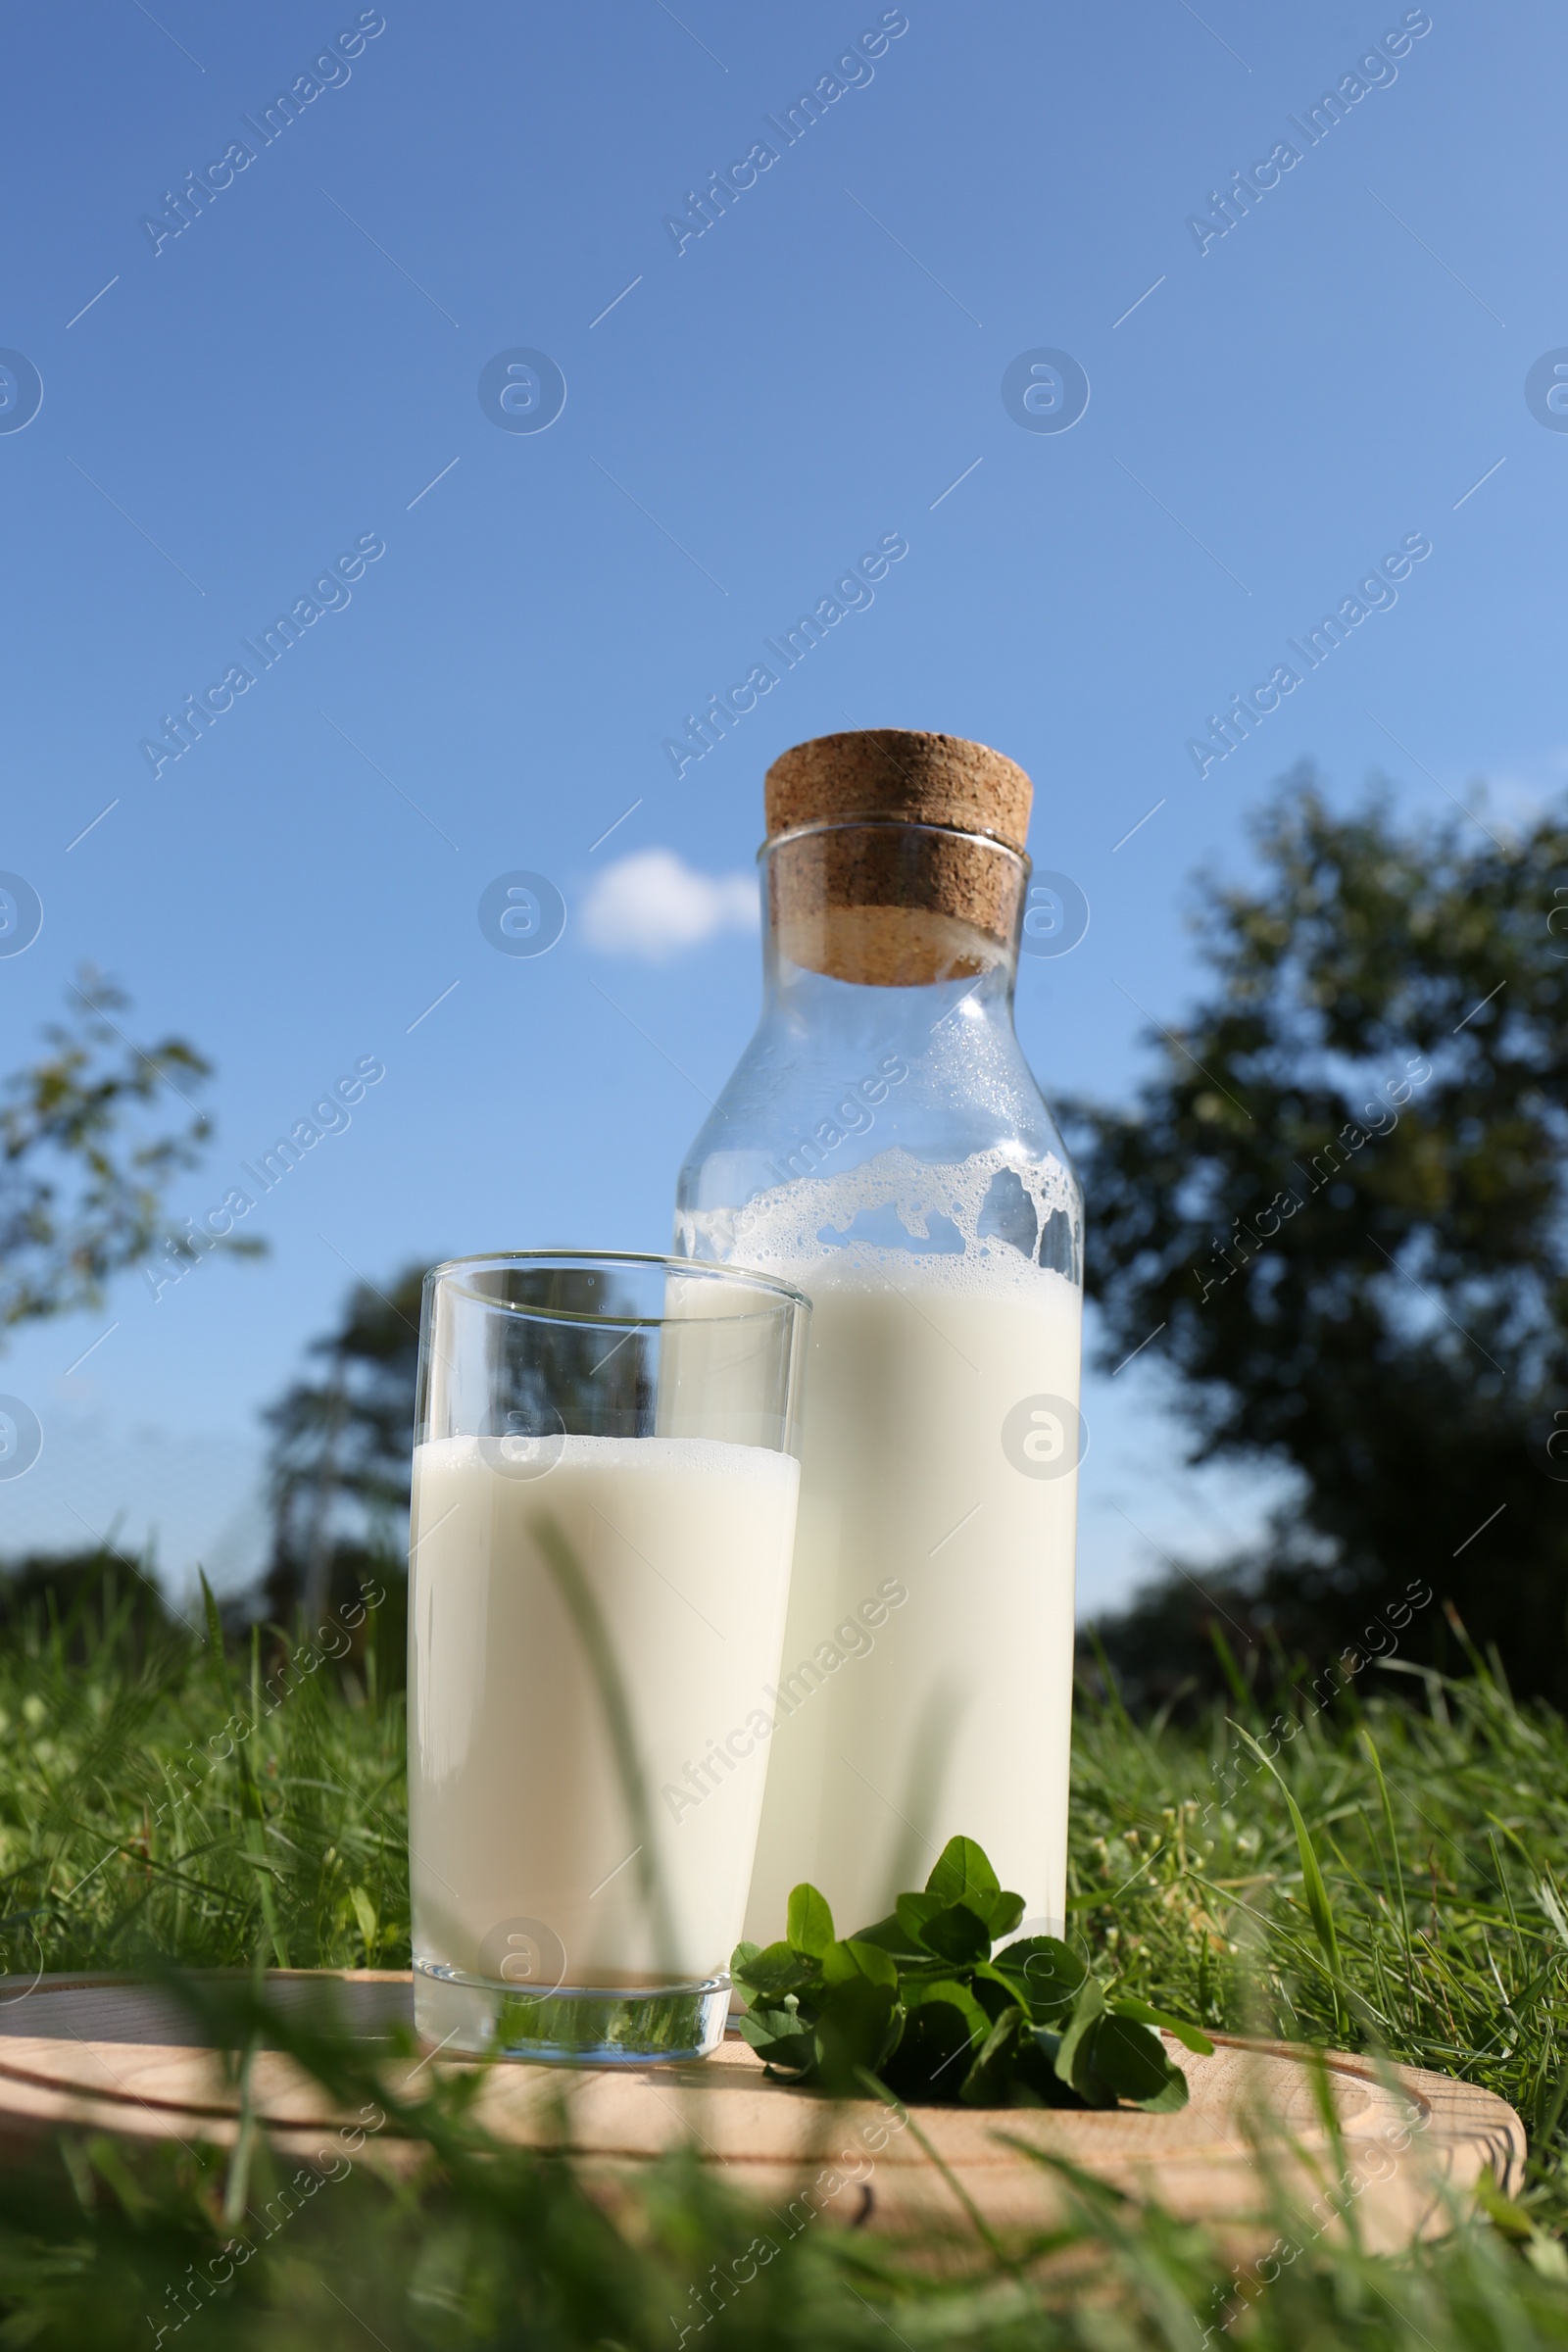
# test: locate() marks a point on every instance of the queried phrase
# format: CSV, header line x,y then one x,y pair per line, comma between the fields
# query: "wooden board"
x,y
110,2054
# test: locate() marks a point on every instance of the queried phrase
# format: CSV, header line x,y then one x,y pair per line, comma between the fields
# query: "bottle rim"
x,y
894,824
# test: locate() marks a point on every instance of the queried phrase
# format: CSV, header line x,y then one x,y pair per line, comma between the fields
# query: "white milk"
x,y
952,1716
517,1811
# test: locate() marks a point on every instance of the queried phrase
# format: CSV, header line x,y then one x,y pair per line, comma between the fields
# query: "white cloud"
x,y
652,904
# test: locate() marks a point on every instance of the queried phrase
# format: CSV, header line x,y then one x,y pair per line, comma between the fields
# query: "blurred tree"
x,y
1338,1210
93,1600
341,1447
83,1179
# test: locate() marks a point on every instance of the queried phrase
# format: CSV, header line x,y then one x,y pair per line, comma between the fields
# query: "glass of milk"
x,y
604,1480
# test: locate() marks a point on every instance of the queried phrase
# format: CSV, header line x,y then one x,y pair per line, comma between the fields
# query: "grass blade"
x,y
1316,1892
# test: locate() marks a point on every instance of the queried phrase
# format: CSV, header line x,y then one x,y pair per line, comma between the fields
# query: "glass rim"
x,y
452,1270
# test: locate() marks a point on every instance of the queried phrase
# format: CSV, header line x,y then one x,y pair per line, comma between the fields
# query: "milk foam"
x,y
906,1219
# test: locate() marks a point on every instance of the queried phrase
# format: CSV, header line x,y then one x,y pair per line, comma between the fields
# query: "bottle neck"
x,y
877,907
927,1023
887,1022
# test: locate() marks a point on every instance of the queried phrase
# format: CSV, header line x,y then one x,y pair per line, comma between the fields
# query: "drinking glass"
x,y
605,1478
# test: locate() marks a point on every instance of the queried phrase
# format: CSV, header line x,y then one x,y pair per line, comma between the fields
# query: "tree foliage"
x,y
83,1176
341,1444
1338,1203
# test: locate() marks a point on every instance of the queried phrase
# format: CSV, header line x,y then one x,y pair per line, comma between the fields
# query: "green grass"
x,y
1419,1909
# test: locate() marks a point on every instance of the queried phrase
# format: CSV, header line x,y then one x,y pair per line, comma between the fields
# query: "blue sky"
x,y
229,410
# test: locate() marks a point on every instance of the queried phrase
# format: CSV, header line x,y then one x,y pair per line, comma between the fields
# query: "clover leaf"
x,y
810,1923
1048,1971
952,1931
775,1969
961,1873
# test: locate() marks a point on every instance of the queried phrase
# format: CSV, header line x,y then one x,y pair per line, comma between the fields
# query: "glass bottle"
x,y
883,1145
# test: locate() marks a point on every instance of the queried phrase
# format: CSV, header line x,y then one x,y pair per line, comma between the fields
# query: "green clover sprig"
x,y
922,2003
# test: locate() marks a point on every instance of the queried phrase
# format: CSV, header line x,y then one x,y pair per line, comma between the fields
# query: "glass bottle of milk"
x,y
884,1146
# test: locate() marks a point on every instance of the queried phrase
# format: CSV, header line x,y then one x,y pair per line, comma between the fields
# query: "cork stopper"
x,y
895,858
892,771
